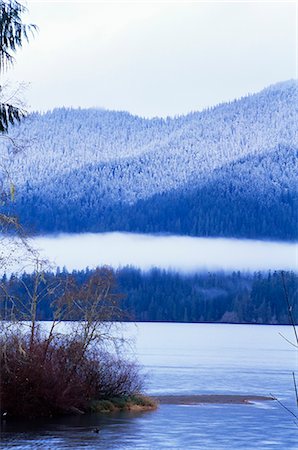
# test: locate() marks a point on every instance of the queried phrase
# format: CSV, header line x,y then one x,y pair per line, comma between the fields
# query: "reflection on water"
x,y
174,427
188,358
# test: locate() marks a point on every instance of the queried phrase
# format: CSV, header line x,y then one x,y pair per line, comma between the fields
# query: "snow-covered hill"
x,y
99,170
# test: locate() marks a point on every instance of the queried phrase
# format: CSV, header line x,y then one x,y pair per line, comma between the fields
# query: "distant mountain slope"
x,y
228,171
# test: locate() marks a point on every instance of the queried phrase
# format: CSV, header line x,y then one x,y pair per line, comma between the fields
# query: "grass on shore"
x,y
138,402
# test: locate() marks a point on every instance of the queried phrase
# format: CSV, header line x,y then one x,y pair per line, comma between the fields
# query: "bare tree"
x,y
64,366
294,343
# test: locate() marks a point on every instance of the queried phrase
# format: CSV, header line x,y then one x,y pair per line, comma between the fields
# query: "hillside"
x,y
229,170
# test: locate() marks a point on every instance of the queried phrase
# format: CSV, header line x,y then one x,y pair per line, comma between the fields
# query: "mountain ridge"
x,y
95,160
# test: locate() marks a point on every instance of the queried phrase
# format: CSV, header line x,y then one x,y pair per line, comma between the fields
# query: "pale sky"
x,y
154,58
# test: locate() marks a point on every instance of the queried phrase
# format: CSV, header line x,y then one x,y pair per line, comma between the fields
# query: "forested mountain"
x,y
159,295
227,171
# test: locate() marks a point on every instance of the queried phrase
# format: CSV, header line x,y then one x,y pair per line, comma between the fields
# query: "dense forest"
x,y
230,206
227,171
159,295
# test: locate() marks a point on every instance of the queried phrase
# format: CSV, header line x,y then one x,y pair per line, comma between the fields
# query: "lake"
x,y
189,359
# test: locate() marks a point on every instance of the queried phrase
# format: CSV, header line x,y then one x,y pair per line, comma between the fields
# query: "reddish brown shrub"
x,y
46,379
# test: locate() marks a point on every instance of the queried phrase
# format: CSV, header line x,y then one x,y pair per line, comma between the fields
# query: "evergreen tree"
x,y
13,33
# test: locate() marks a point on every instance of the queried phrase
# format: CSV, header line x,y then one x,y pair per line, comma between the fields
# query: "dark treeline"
x,y
232,205
254,197
214,210
159,295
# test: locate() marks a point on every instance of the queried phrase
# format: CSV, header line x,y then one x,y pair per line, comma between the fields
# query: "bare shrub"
x,y
116,377
46,380
46,373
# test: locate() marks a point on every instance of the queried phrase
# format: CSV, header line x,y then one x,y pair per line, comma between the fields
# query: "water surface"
x,y
189,359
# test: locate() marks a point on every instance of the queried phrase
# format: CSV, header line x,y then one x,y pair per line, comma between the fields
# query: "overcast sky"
x,y
154,58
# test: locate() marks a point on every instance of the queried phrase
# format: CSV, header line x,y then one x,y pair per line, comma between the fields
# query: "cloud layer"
x,y
185,254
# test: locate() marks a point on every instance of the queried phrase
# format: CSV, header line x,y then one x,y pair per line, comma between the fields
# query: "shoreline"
x,y
210,399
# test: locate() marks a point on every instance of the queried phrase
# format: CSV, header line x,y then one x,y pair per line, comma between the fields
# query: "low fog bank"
x,y
180,253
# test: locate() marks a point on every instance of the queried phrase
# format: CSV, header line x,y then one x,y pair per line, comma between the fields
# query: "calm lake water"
x,y
189,359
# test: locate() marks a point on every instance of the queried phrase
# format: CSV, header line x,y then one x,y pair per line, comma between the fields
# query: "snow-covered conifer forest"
x,y
230,170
